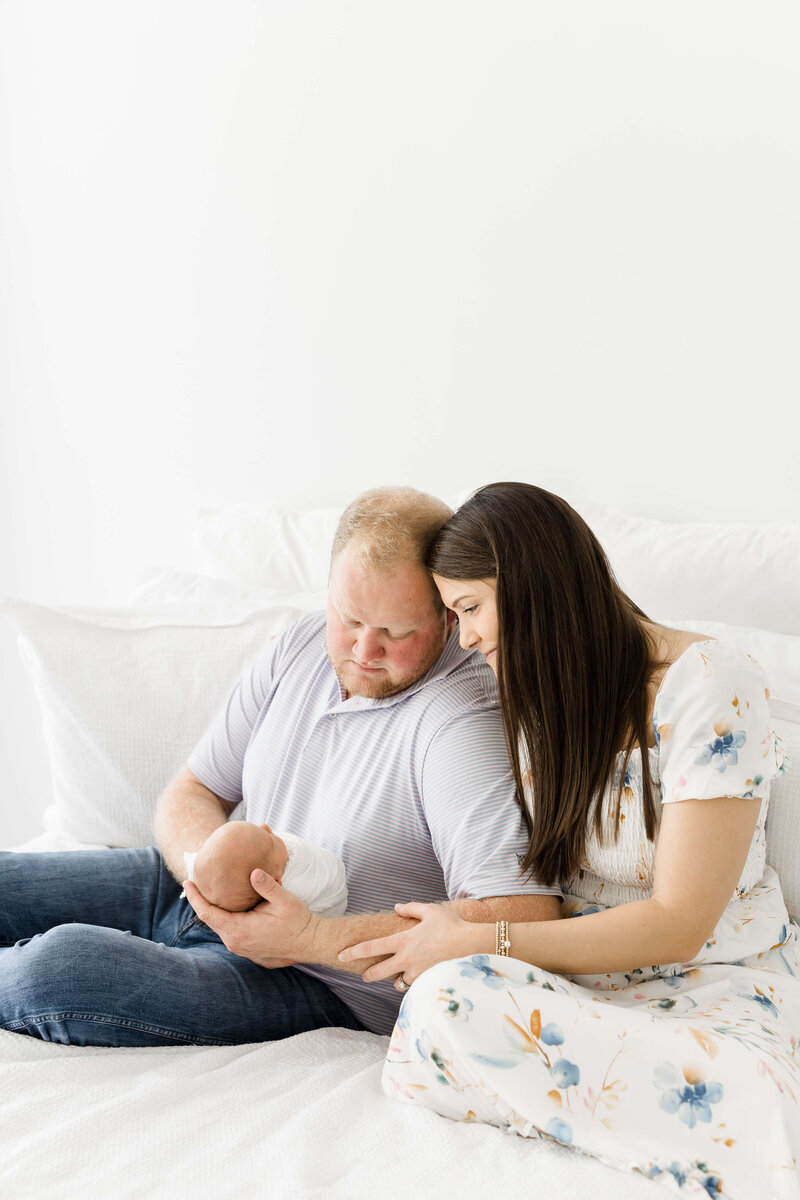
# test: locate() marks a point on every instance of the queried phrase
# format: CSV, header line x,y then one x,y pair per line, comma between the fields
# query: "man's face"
x,y
384,630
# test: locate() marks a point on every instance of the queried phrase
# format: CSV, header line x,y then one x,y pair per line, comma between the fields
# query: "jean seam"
x,y
119,1022
158,892
183,929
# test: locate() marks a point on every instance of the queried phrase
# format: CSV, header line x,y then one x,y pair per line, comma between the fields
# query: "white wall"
x,y
260,250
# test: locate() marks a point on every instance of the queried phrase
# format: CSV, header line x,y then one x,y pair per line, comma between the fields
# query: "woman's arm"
x,y
701,851
283,930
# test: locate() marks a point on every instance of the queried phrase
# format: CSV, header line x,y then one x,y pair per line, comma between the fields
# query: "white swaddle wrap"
x,y
313,873
316,875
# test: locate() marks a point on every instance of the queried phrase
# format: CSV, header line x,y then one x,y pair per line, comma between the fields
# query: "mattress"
x,y
305,1117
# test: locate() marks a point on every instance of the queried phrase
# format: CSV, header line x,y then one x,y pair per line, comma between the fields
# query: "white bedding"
x,y
300,1118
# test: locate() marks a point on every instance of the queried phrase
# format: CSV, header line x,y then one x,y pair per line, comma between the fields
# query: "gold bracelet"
x,y
502,938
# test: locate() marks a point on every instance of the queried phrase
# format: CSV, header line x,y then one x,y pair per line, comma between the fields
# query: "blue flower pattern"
x,y
480,968
560,1130
565,1074
671,1070
691,1101
711,1183
720,752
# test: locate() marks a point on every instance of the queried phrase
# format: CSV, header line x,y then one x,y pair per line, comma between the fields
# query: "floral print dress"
x,y
686,1072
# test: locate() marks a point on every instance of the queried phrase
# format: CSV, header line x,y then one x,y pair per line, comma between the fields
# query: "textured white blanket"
x,y
300,1118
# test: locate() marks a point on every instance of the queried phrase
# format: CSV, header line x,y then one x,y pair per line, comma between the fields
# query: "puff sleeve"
x,y
712,725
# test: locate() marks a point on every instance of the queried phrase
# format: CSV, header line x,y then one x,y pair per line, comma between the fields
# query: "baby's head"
x,y
226,859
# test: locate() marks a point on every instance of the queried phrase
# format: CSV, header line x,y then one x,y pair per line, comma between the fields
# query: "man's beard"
x,y
381,687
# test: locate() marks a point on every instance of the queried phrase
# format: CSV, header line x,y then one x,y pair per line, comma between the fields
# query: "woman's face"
x,y
474,601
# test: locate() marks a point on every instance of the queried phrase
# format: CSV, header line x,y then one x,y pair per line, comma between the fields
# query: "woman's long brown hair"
x,y
573,662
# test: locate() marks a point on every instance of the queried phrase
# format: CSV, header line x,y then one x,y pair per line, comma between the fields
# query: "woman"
x,y
648,753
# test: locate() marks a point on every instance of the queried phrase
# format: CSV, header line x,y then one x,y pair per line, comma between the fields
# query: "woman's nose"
x,y
467,637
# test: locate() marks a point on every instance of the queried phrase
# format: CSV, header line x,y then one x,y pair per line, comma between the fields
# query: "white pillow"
x,y
157,587
271,545
268,545
742,574
783,818
125,696
778,653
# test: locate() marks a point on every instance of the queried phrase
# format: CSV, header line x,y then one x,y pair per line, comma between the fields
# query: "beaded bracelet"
x,y
502,938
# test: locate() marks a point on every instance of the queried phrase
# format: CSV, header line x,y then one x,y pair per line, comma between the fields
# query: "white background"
x,y
290,250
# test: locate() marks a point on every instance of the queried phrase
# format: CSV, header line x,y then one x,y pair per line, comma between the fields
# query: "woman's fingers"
x,y
377,947
389,944
387,969
392,966
414,910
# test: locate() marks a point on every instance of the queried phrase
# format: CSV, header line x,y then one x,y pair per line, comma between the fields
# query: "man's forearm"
x,y
334,934
186,815
282,930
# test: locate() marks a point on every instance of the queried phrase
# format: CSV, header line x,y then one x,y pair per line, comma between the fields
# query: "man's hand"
x,y
276,933
282,930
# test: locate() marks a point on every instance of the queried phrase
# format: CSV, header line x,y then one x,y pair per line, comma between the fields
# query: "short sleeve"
x,y
713,728
218,759
476,826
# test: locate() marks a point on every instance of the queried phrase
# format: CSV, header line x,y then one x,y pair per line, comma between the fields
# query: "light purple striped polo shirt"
x,y
414,791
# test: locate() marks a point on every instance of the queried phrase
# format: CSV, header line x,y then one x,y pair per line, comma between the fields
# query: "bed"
x,y
305,1117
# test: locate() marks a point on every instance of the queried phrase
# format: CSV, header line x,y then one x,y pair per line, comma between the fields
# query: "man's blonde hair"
x,y
389,526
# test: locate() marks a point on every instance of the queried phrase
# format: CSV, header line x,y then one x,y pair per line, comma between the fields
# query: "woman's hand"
x,y
440,933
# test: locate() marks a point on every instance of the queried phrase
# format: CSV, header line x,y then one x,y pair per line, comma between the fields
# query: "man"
x,y
370,732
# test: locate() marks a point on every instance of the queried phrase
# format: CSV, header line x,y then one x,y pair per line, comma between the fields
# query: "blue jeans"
x,y
97,948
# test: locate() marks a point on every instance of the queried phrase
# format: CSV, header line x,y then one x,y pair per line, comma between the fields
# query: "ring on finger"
x,y
401,984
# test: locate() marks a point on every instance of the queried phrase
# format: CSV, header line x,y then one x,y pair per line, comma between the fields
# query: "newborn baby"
x,y
221,868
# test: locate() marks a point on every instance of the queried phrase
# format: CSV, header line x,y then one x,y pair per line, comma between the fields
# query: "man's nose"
x,y
368,646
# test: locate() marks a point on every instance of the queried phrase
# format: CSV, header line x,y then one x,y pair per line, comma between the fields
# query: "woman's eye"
x,y
467,611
